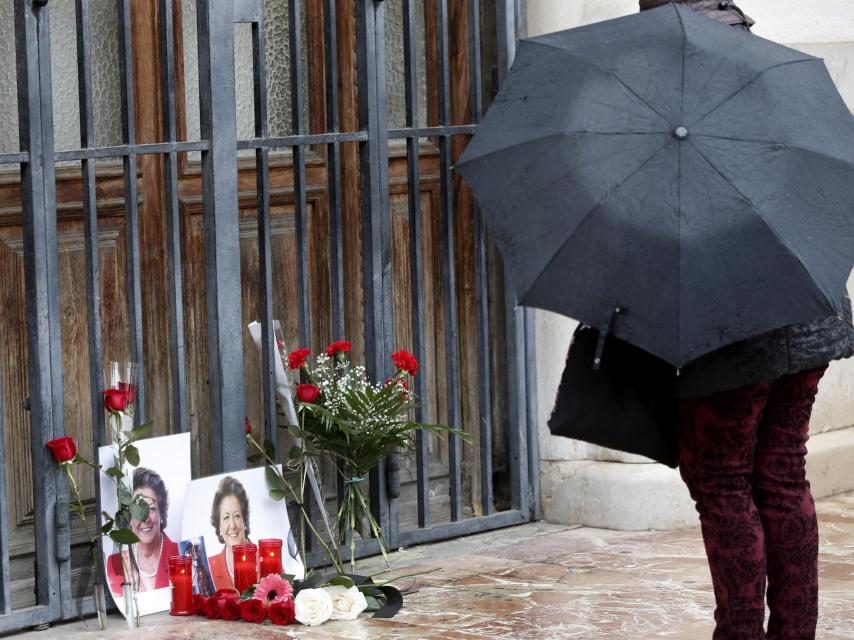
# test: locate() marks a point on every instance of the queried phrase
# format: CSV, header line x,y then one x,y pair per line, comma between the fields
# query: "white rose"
x,y
347,604
313,606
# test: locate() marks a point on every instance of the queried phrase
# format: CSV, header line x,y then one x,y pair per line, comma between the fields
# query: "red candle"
x,y
181,577
271,556
245,566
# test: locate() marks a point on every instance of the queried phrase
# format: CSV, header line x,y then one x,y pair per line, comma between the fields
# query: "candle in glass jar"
x,y
245,566
181,577
271,556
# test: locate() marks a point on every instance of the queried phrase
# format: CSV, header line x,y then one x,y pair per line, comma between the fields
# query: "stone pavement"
x,y
543,582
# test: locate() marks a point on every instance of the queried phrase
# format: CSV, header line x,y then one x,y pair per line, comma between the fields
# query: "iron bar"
x,y
132,150
178,366
132,256
333,172
218,113
269,348
90,221
481,284
426,132
298,155
373,189
304,140
448,258
14,158
416,261
462,528
532,422
5,576
41,277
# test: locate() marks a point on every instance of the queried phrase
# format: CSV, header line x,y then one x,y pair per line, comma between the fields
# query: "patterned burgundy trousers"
x,y
741,453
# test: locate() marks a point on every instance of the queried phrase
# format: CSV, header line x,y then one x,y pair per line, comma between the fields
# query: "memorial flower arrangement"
x,y
356,423
282,600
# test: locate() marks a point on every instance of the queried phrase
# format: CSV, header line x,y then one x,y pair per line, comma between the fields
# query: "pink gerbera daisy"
x,y
273,588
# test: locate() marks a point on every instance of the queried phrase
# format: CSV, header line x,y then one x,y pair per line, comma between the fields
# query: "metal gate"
x,y
219,148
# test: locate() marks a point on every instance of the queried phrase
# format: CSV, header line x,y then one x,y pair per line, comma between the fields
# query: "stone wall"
x,y
586,484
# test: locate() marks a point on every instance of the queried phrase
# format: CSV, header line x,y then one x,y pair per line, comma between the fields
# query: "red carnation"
x,y
199,605
213,608
230,609
405,361
296,359
115,400
253,610
63,448
307,393
283,612
340,346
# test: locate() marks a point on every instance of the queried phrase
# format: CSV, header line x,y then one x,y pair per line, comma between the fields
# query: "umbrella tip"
x,y
680,133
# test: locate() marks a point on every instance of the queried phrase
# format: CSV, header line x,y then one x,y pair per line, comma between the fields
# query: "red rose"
x,y
230,609
199,604
63,448
341,346
213,608
405,361
307,393
283,612
115,400
248,426
296,359
253,610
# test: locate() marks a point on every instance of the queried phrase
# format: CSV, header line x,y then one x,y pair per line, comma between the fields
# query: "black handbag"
x,y
627,403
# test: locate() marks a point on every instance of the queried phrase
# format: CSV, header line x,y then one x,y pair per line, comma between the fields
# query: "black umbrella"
x,y
697,177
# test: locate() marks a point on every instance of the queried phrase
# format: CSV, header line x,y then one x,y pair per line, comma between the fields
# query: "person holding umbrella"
x,y
684,188
743,416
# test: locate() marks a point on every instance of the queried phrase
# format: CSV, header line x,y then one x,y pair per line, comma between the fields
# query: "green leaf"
x,y
122,518
255,458
115,472
142,431
277,494
342,581
373,603
132,455
248,593
269,449
139,510
274,479
123,536
124,495
107,528
295,453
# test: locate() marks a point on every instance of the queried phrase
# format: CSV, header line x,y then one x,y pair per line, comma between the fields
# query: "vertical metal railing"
x,y
41,275
129,161
218,116
178,357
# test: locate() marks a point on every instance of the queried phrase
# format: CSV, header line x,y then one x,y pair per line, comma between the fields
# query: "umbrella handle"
x,y
600,343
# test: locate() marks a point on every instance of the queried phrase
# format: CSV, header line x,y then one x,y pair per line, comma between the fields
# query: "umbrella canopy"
x,y
695,176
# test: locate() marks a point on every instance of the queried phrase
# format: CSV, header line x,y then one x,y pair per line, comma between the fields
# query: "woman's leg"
x,y
717,439
782,495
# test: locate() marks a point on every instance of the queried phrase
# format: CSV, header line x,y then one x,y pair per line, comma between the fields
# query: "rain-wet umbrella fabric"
x,y
696,176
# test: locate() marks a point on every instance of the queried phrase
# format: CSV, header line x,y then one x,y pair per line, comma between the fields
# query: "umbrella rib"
x,y
775,144
758,211
587,215
746,85
593,63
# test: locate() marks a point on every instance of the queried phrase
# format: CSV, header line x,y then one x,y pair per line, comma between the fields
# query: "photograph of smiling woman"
x,y
148,559
230,521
